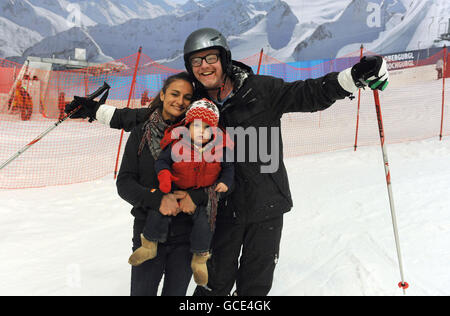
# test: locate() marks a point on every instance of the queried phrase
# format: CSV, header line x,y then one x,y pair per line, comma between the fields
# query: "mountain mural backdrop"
x,y
289,30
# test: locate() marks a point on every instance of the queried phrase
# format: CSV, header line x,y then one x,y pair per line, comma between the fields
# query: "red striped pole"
x,y
443,91
404,285
260,60
359,103
133,83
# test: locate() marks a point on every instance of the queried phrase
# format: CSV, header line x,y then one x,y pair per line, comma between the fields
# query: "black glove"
x,y
88,108
371,71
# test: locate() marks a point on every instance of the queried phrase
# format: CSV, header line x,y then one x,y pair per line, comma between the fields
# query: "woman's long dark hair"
x,y
157,103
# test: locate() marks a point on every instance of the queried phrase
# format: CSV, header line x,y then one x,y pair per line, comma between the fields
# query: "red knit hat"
x,y
203,110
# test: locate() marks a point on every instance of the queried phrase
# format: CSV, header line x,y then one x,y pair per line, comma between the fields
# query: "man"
x,y
249,221
439,68
22,102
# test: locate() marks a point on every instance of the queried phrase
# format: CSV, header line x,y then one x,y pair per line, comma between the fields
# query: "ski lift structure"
x,y
444,36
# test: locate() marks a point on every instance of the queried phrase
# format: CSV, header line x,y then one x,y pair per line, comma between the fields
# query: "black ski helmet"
x,y
207,38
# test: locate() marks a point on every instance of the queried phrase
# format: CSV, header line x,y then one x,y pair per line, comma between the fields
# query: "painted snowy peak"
x,y
109,12
20,36
364,21
37,19
63,45
163,41
288,30
281,23
26,22
189,6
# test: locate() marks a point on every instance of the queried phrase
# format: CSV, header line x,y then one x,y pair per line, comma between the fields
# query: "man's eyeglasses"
x,y
210,59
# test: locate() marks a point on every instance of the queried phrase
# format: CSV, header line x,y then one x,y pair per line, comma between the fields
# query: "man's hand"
x,y
169,205
88,108
186,204
371,71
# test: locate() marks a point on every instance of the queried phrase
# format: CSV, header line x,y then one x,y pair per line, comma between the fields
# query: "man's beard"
x,y
219,85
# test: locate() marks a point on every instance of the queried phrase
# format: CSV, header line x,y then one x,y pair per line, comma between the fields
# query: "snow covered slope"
x,y
337,240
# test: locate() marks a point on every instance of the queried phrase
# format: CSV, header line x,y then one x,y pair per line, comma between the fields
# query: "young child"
x,y
188,170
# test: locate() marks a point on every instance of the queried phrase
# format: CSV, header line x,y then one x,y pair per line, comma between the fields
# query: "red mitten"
x,y
165,179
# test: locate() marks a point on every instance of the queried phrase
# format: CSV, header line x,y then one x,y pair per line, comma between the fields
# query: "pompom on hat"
x,y
203,110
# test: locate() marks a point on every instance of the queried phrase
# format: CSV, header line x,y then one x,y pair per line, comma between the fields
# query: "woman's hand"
x,y
169,205
221,187
186,204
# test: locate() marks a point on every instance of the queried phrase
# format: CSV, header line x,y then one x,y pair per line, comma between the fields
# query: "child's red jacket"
x,y
193,166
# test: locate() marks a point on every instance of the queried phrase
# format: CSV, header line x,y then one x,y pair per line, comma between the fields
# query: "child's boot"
x,y
146,252
199,268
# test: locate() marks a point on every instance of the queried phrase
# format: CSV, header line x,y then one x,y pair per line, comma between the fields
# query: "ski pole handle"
x,y
99,91
92,96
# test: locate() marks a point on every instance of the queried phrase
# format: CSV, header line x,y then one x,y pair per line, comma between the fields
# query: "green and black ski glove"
x,y
371,71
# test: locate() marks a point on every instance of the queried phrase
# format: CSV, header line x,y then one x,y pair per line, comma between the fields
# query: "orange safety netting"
x,y
31,100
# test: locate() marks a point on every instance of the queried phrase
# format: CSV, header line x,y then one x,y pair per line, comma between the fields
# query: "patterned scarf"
x,y
153,133
211,208
239,75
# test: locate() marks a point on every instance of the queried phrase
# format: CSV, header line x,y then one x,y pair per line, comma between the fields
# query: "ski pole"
x,y
95,94
403,285
132,89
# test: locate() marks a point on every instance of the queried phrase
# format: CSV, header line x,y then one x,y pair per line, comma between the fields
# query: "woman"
x,y
137,183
